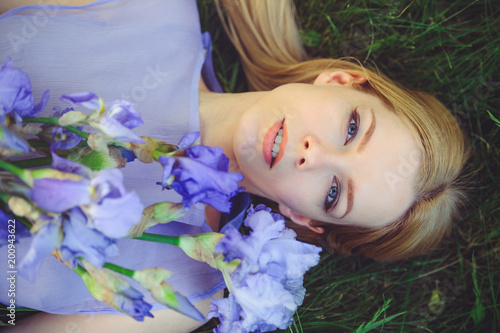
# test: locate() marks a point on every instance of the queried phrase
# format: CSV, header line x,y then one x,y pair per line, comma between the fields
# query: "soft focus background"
x,y
451,50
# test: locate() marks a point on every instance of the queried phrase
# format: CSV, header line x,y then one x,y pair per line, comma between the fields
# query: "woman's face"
x,y
343,157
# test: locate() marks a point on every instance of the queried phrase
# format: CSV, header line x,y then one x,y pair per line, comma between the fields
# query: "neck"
x,y
219,116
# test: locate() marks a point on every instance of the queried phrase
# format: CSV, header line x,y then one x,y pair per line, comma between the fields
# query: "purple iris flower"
x,y
87,99
113,210
15,94
82,241
228,312
102,196
7,227
135,307
188,140
115,121
263,305
63,138
45,241
201,176
115,130
267,285
124,113
10,140
59,195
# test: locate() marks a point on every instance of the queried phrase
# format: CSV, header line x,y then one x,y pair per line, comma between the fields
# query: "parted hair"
x,y
265,34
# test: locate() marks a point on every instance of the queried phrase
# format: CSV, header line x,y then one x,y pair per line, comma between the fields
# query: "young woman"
x,y
409,198
356,162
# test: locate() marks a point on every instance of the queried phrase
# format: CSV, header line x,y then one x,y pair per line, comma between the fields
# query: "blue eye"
x,y
333,195
352,128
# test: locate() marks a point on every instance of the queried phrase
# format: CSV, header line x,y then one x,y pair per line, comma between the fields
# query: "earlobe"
x,y
299,219
293,215
339,78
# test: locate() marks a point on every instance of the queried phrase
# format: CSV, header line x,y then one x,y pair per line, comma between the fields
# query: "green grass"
x,y
451,50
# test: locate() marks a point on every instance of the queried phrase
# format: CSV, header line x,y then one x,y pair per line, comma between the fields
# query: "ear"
x,y
299,219
339,78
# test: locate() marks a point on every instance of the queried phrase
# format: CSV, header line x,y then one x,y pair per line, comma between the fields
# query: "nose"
x,y
313,154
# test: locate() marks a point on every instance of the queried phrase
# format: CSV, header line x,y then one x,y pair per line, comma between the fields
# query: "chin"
x,y
246,152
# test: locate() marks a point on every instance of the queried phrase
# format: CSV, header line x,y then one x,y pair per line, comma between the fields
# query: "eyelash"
x,y
330,201
354,117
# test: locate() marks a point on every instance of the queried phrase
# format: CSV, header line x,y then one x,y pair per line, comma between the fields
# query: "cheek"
x,y
302,194
244,140
247,146
245,154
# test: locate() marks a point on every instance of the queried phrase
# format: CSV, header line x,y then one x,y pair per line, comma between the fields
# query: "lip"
x,y
267,145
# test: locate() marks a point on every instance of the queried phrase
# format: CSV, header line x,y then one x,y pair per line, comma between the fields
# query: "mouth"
x,y
274,144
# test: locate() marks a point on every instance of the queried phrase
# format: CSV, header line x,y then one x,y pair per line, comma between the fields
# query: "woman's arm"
x,y
6,5
165,321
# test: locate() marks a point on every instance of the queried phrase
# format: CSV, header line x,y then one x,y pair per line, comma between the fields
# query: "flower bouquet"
x,y
61,184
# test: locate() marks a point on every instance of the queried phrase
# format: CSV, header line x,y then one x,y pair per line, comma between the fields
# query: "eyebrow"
x,y
350,198
368,134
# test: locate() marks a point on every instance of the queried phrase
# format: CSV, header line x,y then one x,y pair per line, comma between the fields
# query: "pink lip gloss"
x,y
269,138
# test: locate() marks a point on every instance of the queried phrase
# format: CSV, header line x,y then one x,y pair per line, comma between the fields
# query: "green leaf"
x,y
372,324
493,118
478,311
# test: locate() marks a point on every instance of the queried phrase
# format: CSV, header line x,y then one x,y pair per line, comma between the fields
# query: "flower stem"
x,y
119,269
34,143
53,121
24,222
24,175
33,163
174,240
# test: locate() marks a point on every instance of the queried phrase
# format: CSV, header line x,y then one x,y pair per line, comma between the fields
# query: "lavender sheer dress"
x,y
150,52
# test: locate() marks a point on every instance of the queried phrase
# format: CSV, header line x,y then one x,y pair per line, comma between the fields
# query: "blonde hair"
x,y
266,36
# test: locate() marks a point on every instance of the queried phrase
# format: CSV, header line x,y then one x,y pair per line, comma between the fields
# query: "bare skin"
x,y
341,158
